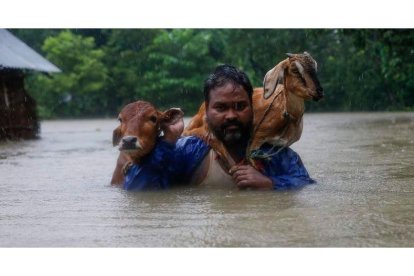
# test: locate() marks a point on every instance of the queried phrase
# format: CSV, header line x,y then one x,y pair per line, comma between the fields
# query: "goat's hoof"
x,y
259,154
258,165
256,154
250,161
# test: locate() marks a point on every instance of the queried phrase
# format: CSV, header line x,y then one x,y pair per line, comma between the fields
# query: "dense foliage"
x,y
360,69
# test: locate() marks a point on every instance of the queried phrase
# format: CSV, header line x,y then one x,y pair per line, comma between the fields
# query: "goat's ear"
x,y
274,77
116,136
171,116
300,68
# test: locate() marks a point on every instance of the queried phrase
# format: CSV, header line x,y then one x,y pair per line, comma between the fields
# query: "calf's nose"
x,y
129,139
130,143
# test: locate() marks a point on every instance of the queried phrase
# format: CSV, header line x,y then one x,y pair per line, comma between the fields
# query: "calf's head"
x,y
140,125
298,73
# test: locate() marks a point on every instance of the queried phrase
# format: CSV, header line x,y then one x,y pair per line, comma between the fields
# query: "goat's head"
x,y
298,74
140,125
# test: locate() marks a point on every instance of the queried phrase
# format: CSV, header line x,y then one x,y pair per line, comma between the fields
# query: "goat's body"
x,y
277,120
198,125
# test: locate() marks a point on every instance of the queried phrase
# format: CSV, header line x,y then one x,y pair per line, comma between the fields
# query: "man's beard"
x,y
231,137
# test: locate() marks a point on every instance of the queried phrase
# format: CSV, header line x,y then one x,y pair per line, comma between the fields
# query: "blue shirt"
x,y
170,164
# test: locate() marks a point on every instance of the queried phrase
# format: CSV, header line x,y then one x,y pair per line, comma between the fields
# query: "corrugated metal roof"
x,y
15,54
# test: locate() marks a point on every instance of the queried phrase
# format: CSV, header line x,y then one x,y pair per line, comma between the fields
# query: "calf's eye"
x,y
153,119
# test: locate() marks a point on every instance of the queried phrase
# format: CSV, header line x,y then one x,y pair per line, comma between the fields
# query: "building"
x,y
18,116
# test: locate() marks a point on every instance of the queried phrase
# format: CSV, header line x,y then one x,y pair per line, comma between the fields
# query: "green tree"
x,y
359,69
179,61
77,91
258,50
126,60
35,37
389,58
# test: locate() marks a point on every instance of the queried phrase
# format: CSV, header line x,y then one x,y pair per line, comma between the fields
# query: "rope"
x,y
267,155
265,113
257,155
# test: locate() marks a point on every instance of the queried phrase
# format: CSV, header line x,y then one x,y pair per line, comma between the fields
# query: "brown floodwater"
x,y
55,192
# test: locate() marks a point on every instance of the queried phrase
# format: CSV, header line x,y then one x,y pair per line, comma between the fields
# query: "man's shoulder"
x,y
190,141
189,152
191,145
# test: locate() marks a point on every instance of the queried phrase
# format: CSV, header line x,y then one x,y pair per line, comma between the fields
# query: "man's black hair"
x,y
224,74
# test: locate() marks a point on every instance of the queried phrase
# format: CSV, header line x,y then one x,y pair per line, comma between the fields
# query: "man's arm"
x,y
171,162
152,172
284,170
246,176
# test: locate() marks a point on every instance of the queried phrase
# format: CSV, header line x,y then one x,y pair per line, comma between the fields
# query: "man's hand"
x,y
246,176
173,131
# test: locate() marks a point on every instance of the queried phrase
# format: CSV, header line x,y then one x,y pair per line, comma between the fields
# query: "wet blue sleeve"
x,y
189,153
167,165
286,170
152,172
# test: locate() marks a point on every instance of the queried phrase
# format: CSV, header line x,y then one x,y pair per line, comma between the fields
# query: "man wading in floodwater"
x,y
178,160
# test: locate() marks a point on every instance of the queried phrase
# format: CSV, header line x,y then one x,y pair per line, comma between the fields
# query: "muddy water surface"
x,y
55,192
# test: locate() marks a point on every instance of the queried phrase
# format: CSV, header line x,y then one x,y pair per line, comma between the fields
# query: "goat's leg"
x,y
254,153
225,158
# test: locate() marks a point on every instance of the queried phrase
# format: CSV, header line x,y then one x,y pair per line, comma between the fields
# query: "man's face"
x,y
229,113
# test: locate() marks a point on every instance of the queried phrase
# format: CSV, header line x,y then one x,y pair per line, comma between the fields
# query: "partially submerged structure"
x,y
18,116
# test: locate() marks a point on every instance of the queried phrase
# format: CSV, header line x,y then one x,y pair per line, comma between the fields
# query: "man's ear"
x,y
171,116
116,136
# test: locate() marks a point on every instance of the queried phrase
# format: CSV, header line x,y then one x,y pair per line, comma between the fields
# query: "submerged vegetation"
x,y
103,69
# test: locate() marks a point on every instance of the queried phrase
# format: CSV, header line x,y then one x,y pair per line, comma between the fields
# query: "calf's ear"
x,y
171,116
116,136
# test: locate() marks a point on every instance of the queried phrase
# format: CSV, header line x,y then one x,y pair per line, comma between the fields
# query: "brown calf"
x,y
140,125
278,108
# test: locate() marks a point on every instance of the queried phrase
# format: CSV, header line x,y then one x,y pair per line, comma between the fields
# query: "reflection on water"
x,y
55,192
